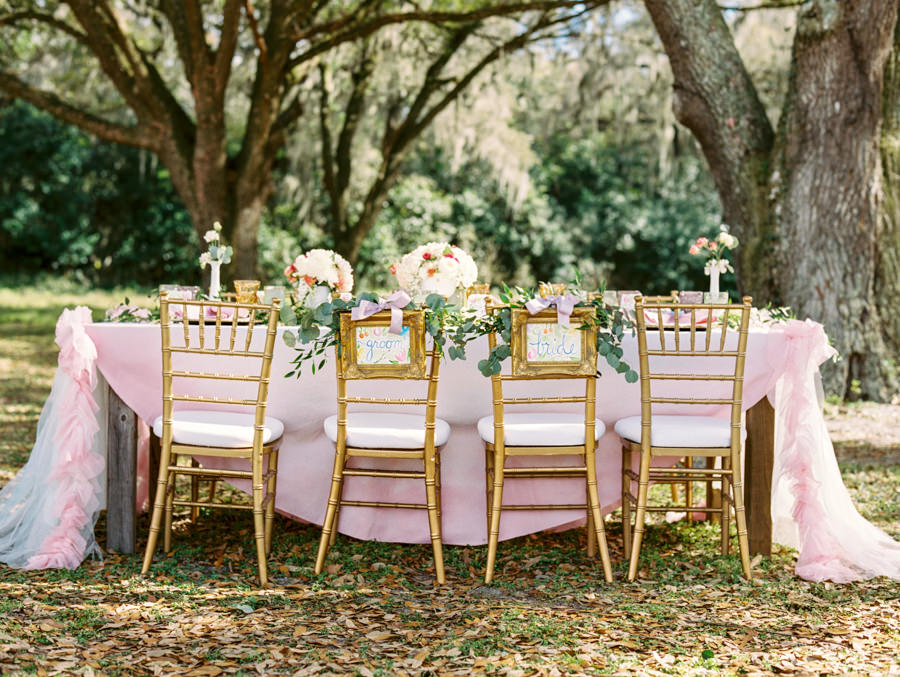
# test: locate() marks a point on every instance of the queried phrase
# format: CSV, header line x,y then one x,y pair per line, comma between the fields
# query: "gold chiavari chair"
x,y
712,358
369,351
221,333
544,434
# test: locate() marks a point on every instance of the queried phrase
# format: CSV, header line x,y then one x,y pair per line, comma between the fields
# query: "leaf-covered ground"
x,y
377,611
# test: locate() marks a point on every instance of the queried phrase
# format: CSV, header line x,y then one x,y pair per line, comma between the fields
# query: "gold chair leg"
x,y
737,489
689,489
488,486
336,520
726,504
591,534
159,507
597,515
170,508
640,514
334,498
271,489
434,525
195,492
437,486
496,506
626,502
259,521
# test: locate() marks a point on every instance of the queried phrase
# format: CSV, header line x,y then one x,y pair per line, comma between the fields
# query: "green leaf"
x,y
308,334
612,361
289,338
501,352
485,367
603,348
322,314
435,301
631,376
287,315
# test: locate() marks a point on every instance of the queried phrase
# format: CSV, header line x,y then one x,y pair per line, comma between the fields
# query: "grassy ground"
x,y
377,611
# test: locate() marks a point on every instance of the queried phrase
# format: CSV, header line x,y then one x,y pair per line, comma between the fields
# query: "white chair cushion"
x,y
376,430
540,429
227,429
680,431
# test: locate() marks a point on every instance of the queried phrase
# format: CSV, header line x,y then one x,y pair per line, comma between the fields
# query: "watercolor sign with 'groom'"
x,y
552,342
377,345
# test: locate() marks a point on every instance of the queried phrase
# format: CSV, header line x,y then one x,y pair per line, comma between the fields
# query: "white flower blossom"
x,y
321,266
435,267
211,236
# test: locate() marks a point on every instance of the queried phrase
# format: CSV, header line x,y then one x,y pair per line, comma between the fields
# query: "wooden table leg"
x,y
121,476
758,461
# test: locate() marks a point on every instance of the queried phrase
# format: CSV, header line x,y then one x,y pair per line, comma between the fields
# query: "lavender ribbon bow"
x,y
396,302
564,306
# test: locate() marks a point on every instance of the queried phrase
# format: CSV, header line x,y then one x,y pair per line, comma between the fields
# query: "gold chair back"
x,y
709,329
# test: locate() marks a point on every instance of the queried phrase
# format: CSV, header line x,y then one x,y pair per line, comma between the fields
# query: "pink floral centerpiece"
x,y
318,273
714,251
435,268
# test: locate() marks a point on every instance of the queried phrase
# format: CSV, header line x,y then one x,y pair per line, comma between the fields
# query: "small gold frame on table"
x,y
355,365
583,360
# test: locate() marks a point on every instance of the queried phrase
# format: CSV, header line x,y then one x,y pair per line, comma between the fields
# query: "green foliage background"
x,y
108,215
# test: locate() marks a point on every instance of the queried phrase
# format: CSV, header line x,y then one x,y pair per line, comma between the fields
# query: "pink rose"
x,y
713,246
702,241
694,249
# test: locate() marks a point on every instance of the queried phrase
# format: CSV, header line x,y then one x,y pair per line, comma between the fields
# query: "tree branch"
x,y
49,19
328,177
50,102
231,24
778,4
344,29
352,117
257,36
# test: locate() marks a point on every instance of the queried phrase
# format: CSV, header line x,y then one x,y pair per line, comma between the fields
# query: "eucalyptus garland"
x,y
451,329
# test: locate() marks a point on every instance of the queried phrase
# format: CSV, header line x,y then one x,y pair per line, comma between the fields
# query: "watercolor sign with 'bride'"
x,y
552,342
377,345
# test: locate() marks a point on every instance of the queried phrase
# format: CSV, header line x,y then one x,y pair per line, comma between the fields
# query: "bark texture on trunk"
x,y
816,213
887,273
827,182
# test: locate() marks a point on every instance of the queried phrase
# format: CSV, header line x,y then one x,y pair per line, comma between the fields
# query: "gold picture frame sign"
x,y
543,347
371,363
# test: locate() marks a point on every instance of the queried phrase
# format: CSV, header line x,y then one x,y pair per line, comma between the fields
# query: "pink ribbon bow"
x,y
396,302
564,306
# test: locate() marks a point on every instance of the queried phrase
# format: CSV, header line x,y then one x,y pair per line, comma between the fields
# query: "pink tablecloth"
x,y
129,358
47,512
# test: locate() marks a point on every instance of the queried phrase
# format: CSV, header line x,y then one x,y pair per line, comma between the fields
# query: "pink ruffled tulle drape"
x,y
48,511
811,507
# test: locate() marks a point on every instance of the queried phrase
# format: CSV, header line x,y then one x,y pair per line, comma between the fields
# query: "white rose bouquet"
x,y
435,268
320,267
218,252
